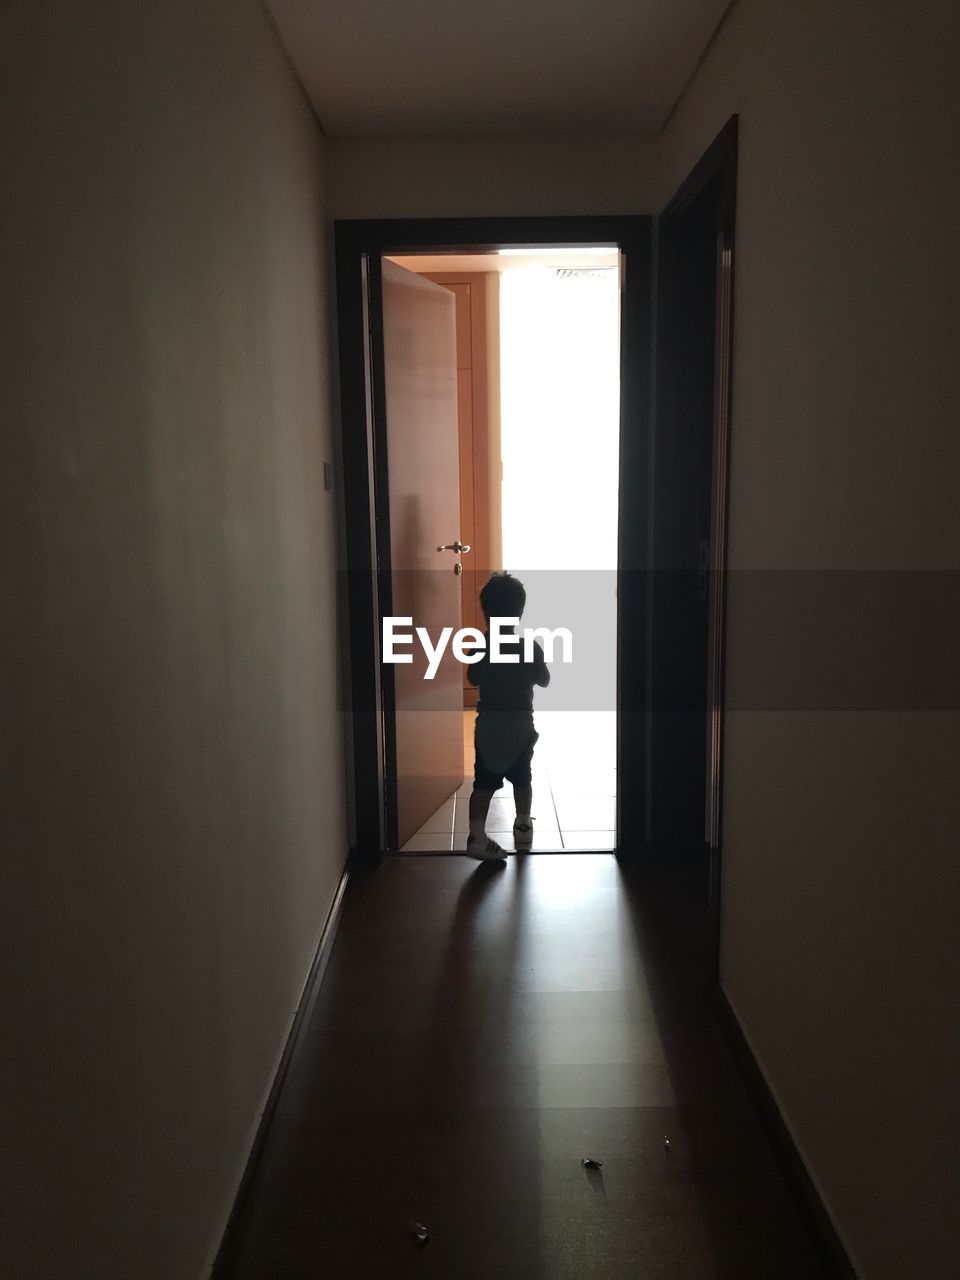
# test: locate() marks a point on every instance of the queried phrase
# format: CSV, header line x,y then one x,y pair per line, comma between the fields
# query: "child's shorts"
x,y
486,778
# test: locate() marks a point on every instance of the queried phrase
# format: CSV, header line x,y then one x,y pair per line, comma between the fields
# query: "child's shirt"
x,y
508,686
505,707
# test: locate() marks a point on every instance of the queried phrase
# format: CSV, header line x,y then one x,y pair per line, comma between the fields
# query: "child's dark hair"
x,y
503,597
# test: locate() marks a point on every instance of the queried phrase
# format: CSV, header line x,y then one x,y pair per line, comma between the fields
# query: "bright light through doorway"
x,y
559,412
560,415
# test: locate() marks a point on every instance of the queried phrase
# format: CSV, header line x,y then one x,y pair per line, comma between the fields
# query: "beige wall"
x,y
173,825
840,878
463,177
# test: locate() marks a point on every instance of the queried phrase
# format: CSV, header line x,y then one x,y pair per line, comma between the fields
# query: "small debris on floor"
x,y
588,1162
419,1233
666,1143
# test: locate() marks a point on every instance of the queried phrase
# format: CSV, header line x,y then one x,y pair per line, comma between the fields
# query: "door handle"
x,y
458,547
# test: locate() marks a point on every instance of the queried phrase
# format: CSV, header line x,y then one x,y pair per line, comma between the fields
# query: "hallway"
x,y
478,1032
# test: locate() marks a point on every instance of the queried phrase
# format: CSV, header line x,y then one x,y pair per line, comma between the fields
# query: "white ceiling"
x,y
497,67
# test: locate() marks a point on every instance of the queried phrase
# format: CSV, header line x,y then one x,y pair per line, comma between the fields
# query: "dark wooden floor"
x,y
479,1031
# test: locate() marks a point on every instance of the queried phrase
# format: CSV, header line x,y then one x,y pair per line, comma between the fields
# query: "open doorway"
x,y
663,581
379,509
537,351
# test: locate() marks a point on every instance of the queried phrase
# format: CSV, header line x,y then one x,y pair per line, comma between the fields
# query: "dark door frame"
x,y
360,246
711,187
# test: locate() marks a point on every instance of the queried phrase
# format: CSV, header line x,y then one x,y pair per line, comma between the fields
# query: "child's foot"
x,y
484,849
523,833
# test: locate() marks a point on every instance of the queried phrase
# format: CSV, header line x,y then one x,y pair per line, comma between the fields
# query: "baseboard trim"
x,y
224,1263
833,1256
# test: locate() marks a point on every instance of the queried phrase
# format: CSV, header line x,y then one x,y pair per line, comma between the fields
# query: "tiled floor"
x,y
574,790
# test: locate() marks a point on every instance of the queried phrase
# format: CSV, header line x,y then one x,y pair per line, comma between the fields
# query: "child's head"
x,y
503,597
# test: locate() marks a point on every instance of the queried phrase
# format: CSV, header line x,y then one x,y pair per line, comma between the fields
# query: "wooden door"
x,y
479,444
423,464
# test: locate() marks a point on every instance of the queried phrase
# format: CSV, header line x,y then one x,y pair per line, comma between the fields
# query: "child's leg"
x,y
523,799
479,808
478,843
